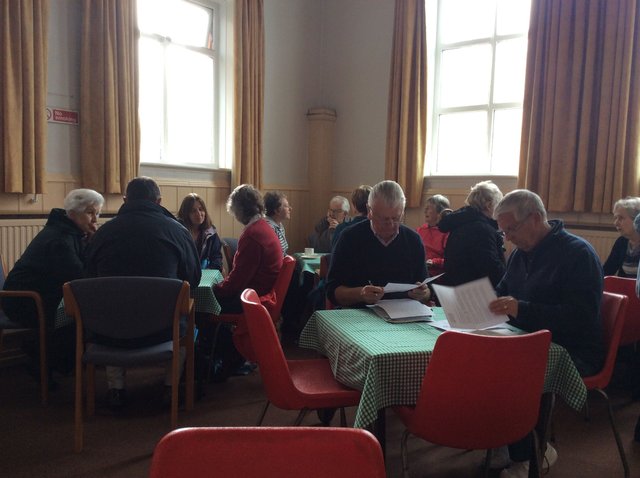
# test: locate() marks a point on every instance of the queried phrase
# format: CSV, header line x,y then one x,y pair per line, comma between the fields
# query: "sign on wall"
x,y
60,115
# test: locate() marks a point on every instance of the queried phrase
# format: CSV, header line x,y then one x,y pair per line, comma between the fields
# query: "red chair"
x,y
626,286
613,310
479,392
284,452
292,384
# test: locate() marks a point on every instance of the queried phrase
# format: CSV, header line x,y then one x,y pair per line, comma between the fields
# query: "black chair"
x,y
7,324
229,248
135,312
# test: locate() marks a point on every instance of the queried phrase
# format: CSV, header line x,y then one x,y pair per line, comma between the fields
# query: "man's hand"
x,y
371,294
505,305
421,293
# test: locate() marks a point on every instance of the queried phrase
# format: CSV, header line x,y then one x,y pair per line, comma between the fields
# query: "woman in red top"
x,y
433,239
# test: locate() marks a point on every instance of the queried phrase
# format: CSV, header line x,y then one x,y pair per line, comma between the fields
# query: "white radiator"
x,y
602,241
15,236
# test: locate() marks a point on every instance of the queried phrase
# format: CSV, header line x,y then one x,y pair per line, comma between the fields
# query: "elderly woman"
x,y
54,256
256,264
277,210
625,253
194,216
475,247
433,238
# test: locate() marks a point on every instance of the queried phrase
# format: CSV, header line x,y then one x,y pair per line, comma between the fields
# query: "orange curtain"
x,y
23,95
580,132
249,92
110,132
407,109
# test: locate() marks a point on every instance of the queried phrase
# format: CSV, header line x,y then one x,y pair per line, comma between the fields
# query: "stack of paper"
x,y
402,310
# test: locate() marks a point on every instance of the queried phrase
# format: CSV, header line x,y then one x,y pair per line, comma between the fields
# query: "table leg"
x,y
543,429
379,429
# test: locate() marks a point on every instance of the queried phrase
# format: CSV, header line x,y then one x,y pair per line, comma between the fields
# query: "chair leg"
x,y
536,466
404,452
263,413
91,389
300,417
78,411
616,435
487,462
212,359
190,366
343,417
44,371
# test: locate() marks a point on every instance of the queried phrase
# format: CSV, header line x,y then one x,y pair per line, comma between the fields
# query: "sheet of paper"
x,y
467,306
405,310
396,287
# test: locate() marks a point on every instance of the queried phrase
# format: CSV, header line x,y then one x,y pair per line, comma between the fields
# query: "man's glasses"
x,y
392,220
516,227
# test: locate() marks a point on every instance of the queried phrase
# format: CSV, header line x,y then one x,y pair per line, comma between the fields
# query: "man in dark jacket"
x,y
144,239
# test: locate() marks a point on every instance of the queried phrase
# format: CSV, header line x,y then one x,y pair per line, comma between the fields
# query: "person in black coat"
x,y
475,247
625,253
54,256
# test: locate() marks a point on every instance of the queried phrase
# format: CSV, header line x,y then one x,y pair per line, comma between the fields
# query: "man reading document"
x,y
372,253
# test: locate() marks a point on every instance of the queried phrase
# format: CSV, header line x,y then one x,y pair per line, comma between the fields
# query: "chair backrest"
x,y
613,310
626,286
481,391
229,248
325,261
3,274
273,366
281,286
268,452
127,308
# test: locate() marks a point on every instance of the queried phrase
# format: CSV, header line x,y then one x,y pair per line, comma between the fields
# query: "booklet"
x,y
402,310
467,306
395,287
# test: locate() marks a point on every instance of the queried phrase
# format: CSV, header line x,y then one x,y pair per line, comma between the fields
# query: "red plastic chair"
x,y
284,452
613,311
626,286
292,384
479,392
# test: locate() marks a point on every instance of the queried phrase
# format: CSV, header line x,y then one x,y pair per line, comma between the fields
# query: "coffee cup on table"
x,y
308,251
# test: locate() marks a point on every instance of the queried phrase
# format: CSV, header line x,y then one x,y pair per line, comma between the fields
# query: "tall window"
x,y
478,83
179,72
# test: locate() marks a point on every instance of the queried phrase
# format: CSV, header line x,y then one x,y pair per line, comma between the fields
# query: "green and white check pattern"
x,y
387,361
204,299
306,265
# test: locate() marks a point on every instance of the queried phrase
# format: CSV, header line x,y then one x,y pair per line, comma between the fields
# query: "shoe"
x,y
500,458
518,469
117,399
245,369
636,433
550,457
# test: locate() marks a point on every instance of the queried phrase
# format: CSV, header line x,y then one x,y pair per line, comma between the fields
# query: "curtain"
x,y
23,95
249,92
109,128
407,109
581,112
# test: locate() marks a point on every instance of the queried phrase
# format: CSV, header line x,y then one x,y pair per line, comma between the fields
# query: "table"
x,y
205,300
387,362
307,266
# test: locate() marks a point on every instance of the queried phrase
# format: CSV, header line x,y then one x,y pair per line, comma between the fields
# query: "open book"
x,y
402,310
467,306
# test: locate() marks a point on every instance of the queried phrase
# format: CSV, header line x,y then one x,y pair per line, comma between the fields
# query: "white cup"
x,y
308,251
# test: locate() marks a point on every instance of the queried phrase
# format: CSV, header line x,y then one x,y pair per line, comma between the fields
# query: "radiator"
x,y
601,240
15,236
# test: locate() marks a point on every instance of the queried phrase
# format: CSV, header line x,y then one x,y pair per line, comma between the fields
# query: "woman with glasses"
x,y
475,247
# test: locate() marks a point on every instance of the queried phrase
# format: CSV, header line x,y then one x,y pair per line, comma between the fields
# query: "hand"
x,y
429,262
371,294
505,305
421,293
332,223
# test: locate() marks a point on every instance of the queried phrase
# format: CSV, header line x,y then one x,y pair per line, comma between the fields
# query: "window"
x,y
477,86
181,95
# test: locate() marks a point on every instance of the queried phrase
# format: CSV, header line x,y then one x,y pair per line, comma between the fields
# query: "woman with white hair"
x,y
54,256
625,253
475,247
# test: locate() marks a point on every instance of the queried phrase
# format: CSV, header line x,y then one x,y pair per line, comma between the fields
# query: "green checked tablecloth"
x,y
204,300
306,265
387,361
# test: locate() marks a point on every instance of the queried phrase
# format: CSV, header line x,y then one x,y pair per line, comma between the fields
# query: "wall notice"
x,y
60,115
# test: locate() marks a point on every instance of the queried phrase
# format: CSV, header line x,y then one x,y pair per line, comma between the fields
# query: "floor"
x,y
37,441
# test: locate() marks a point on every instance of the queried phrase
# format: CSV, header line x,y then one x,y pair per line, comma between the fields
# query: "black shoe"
x,y
325,415
117,399
636,433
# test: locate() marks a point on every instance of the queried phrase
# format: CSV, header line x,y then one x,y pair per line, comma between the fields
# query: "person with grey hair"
x,y
553,281
278,210
433,238
144,239
625,253
372,253
337,213
474,248
359,199
55,256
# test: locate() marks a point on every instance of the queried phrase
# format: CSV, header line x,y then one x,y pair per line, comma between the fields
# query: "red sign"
x,y
59,115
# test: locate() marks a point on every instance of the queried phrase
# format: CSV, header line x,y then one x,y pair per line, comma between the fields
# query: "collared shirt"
x,y
382,241
279,229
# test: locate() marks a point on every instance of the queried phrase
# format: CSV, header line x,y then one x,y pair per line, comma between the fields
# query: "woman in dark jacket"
x,y
54,256
625,253
475,247
194,216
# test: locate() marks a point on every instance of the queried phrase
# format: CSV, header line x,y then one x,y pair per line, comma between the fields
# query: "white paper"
x,y
467,306
395,287
402,310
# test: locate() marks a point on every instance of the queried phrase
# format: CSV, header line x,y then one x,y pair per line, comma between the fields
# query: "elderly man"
x,y
337,213
553,281
144,239
371,253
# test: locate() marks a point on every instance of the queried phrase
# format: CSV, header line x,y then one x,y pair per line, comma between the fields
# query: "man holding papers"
x,y
553,281
373,253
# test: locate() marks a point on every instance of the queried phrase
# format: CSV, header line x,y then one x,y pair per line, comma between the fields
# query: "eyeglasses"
x,y
336,211
393,220
516,227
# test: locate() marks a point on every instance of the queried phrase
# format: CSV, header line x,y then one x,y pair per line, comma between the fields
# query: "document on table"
x,y
395,287
402,310
467,306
